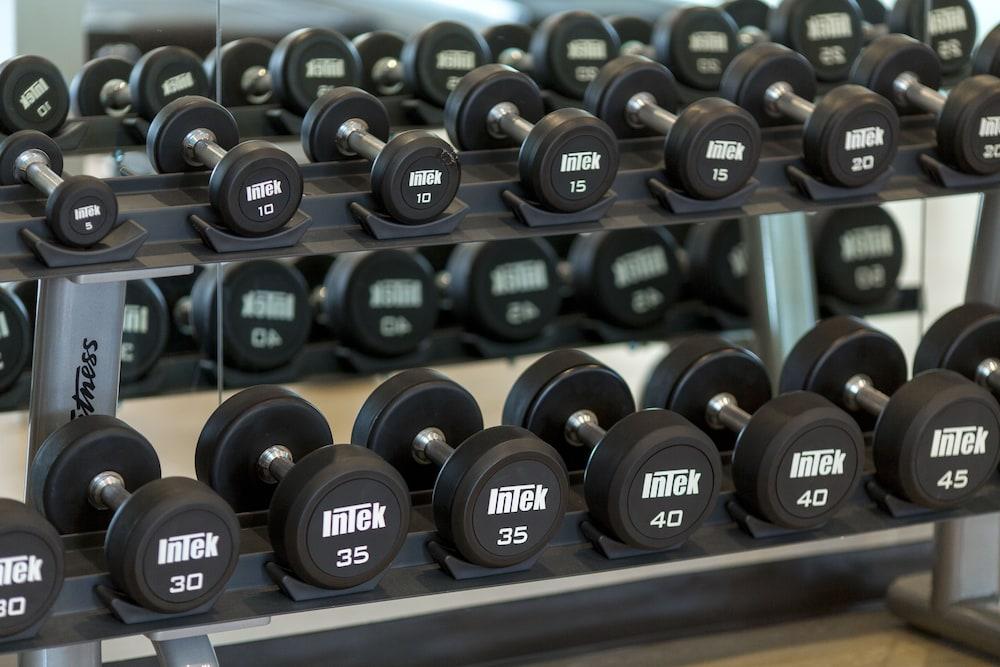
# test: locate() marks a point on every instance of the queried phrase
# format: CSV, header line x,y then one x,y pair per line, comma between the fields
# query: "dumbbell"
x,y
508,42
717,264
964,340
15,333
337,515
634,33
302,66
265,314
33,95
935,439
628,277
379,50
566,51
499,494
908,73
948,27
80,210
429,64
651,477
145,329
828,33
171,543
751,17
254,187
697,44
506,290
414,175
568,159
858,254
711,148
114,86
797,457
849,137
31,567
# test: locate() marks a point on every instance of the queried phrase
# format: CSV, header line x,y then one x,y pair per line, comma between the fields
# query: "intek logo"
x,y
864,243
707,41
424,177
353,519
834,25
20,570
582,161
529,275
946,20
263,304
587,49
989,126
87,212
33,93
520,498
817,463
183,548
959,441
396,293
325,68
639,265
455,59
177,83
264,189
670,483
136,319
864,137
719,149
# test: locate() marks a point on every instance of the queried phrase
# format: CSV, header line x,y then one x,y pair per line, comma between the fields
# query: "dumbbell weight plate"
x,y
622,79
231,62
697,44
753,71
165,139
508,290
165,74
827,32
569,48
85,88
15,338
986,59
748,13
309,62
717,261
28,540
265,314
468,107
438,56
888,57
947,26
629,277
504,36
960,340
373,47
631,30
33,95
961,137
858,253
145,330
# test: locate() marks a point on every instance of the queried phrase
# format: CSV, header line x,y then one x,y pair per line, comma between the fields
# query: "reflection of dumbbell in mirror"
x,y
304,65
629,278
171,543
337,514
964,340
651,477
254,187
80,210
414,175
506,290
499,493
16,322
31,567
751,17
858,255
849,137
711,148
568,159
508,41
935,440
634,33
114,86
908,73
33,95
378,50
696,43
828,33
948,27
145,329
796,457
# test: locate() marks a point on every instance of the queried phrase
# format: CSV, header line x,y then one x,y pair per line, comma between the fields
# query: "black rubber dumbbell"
x,y
634,33
33,95
145,329
506,290
302,66
964,340
948,27
828,33
908,73
849,137
935,439
651,477
567,49
414,175
711,148
697,44
751,17
499,493
114,86
265,314
568,159
16,323
31,567
254,187
628,277
797,457
171,543
428,64
80,210
337,514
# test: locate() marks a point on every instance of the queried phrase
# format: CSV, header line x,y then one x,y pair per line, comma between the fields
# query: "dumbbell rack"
x,y
85,302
